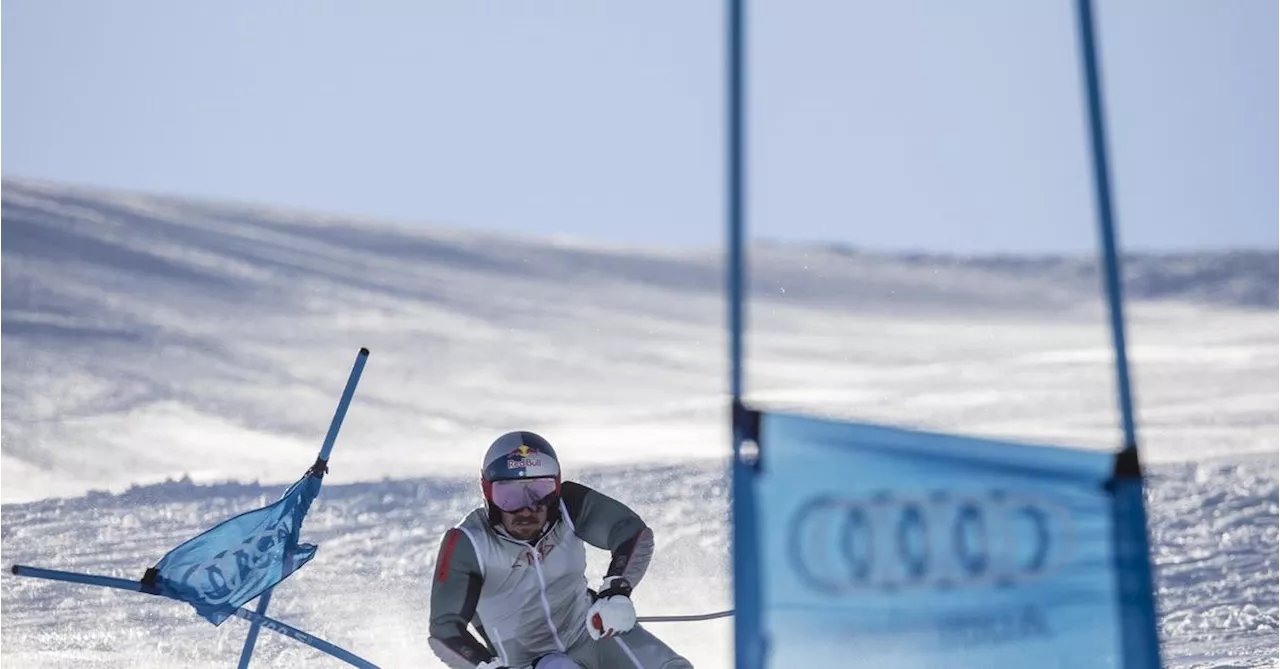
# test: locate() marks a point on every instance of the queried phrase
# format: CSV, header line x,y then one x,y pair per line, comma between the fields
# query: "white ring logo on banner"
x,y
938,540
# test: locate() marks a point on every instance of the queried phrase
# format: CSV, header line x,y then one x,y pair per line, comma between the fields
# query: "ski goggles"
x,y
515,494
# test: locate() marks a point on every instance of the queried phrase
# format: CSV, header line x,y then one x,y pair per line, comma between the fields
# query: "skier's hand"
x,y
613,613
495,663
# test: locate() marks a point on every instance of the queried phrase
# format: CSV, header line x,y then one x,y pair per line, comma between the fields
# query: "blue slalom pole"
x,y
1106,220
734,200
251,639
347,393
1139,639
75,577
318,470
748,644
257,619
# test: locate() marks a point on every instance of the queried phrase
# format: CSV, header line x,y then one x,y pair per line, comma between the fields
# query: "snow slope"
x,y
149,338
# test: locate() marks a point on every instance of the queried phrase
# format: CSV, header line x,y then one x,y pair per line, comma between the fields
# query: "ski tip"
x,y
364,351
14,570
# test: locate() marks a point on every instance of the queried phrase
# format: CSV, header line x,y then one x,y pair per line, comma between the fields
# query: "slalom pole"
x,y
251,639
748,650
254,617
300,636
1139,639
76,577
347,393
1106,219
317,470
695,617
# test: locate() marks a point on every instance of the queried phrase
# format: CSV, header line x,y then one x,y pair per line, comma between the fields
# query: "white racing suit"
x,y
529,600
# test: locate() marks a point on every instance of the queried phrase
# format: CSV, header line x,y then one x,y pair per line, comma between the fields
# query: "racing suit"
x,y
529,600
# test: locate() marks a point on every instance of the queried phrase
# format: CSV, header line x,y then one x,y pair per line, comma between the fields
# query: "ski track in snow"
x,y
149,338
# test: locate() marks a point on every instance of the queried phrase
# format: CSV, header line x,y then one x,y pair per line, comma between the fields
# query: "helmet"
x,y
519,456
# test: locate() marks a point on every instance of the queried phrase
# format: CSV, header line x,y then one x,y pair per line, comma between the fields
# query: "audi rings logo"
x,y
938,540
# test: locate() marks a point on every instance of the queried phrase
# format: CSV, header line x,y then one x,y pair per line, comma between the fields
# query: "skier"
x,y
516,569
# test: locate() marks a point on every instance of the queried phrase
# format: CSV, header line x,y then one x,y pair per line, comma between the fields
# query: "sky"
x,y
923,125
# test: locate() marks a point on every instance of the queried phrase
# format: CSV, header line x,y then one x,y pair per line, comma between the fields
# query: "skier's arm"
x,y
606,523
454,594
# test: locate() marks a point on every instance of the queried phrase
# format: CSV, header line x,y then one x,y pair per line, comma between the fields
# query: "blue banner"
x,y
882,547
240,558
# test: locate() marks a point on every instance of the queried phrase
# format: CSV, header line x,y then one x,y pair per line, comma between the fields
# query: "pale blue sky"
x,y
937,125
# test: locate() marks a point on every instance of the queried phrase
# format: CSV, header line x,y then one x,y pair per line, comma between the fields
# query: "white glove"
x,y
495,663
611,613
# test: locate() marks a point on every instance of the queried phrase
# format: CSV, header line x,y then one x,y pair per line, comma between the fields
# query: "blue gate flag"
x,y
241,557
885,547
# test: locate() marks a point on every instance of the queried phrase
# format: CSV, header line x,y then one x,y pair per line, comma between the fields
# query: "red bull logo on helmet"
x,y
524,458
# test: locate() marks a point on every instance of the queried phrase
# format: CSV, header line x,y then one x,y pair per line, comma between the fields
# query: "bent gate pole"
x,y
321,466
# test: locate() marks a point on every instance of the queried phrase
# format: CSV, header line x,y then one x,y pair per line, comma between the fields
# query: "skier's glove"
x,y
612,613
495,663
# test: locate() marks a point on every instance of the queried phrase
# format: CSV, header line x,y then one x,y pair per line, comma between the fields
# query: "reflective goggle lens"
x,y
516,494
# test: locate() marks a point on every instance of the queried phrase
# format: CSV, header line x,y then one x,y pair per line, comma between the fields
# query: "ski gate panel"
x,y
885,547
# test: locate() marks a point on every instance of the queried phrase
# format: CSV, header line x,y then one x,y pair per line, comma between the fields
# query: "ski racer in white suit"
x,y
516,570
